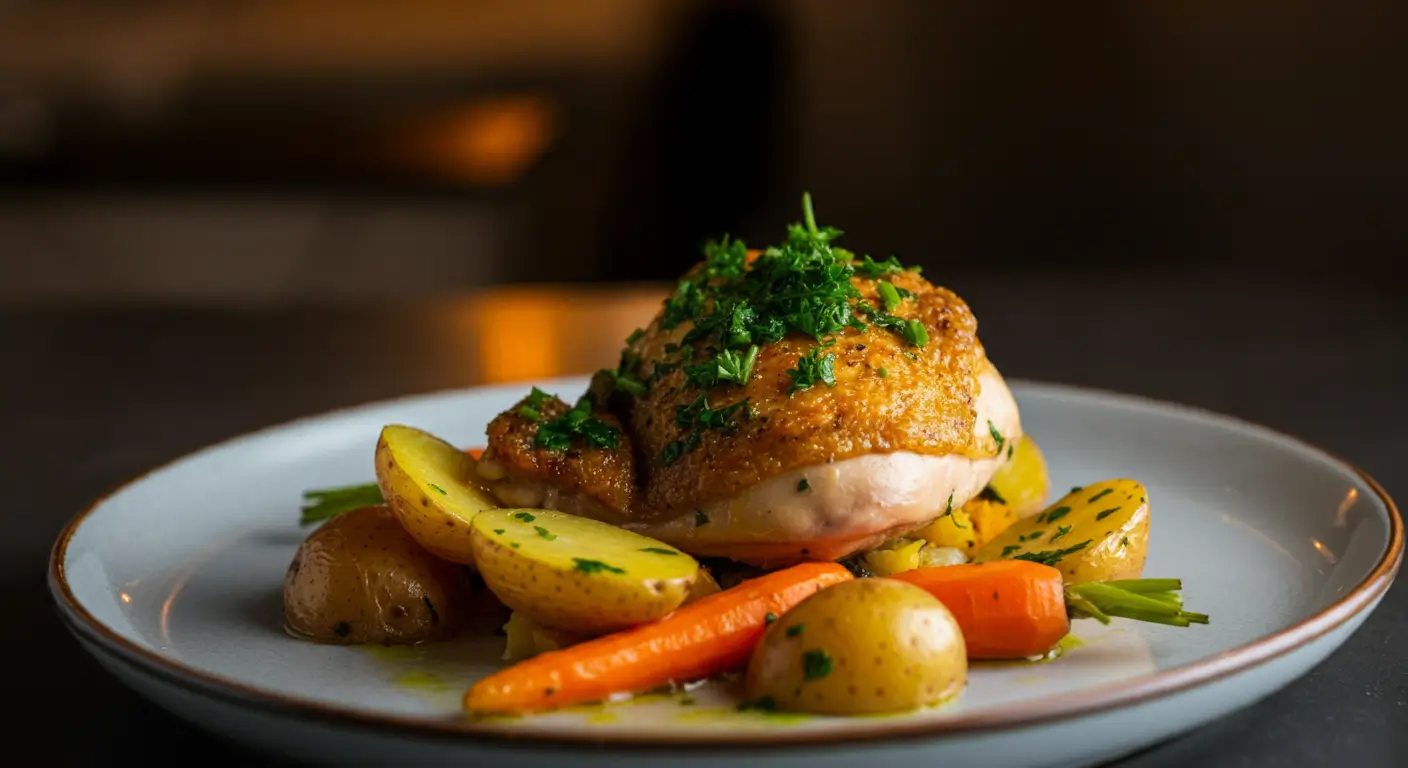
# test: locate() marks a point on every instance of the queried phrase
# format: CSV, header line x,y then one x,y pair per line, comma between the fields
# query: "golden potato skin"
x,y
871,646
924,405
361,579
1113,515
1023,481
410,466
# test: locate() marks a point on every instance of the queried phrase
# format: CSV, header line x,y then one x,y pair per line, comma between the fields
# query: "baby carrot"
x,y
712,635
1011,609
1007,609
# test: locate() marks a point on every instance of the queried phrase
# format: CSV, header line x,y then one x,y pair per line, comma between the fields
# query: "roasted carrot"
x,y
715,634
1011,609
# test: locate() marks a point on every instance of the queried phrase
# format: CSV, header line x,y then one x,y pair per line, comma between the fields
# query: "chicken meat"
x,y
785,405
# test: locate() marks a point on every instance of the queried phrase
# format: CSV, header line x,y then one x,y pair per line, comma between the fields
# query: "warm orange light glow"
x,y
491,142
536,333
126,598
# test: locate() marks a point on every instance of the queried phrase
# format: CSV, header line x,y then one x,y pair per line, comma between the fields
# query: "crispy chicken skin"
x,y
593,482
744,437
922,405
882,454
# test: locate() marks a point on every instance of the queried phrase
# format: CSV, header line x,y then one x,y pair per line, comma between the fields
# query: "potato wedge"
x,y
1102,528
1023,482
577,574
431,487
526,638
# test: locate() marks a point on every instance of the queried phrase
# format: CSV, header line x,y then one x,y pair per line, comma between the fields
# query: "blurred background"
x,y
238,151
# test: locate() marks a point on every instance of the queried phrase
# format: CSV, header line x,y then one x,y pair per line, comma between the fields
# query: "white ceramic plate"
x,y
173,582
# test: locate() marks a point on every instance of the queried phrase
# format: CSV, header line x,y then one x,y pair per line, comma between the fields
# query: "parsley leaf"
x,y
996,435
557,435
813,368
593,566
1052,556
543,532
888,294
816,664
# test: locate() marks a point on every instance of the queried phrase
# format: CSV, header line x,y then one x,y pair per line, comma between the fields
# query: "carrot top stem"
x,y
1153,600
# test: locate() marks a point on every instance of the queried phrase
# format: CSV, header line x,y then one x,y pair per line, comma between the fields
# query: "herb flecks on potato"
x,y
1096,533
577,574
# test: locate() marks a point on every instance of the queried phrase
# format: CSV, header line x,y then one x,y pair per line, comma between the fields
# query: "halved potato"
x,y
1022,482
1102,529
577,574
431,487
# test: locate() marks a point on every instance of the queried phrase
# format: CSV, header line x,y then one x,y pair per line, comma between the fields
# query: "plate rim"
x,y
1092,701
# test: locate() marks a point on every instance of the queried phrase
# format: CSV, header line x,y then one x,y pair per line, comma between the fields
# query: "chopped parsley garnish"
x,y
593,566
1009,549
795,629
990,494
1033,536
996,435
1052,515
1106,513
529,413
524,516
1124,541
816,664
513,544
659,551
769,618
557,435
438,489
544,532
868,267
889,294
733,308
803,485
813,368
1061,530
1101,495
635,336
1075,488
1010,450
1052,556
499,531
948,507
700,519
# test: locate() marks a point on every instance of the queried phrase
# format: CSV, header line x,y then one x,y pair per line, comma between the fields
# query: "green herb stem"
x,y
1110,600
321,504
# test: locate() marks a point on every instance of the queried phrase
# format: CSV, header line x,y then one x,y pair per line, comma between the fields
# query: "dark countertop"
x,y
91,398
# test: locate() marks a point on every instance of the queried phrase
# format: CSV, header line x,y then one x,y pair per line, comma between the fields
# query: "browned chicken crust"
x,y
605,477
924,403
889,396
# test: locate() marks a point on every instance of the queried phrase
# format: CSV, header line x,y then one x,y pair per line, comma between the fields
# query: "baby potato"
x,y
895,557
361,579
866,646
1023,480
577,574
1099,533
432,487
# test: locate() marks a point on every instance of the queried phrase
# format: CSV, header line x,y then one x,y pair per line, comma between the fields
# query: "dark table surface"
x,y
91,398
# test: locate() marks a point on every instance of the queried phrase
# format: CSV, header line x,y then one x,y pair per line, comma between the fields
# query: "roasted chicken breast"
x,y
785,405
